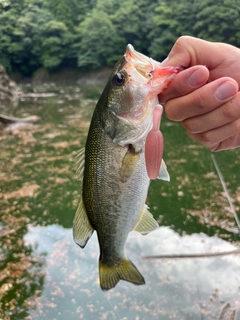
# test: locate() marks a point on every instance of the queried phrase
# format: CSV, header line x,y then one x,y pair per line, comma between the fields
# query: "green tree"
x,y
208,19
98,41
32,40
70,12
7,38
16,6
56,39
27,49
4,4
218,21
133,21
33,29
94,33
165,30
109,7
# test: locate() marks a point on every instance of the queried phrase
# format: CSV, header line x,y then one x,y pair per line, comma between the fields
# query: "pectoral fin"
x,y
128,164
163,173
146,222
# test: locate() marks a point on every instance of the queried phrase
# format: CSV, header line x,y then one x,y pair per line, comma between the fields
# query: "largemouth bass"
x,y
112,166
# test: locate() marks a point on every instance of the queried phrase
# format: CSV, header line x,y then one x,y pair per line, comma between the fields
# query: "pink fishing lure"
x,y
154,145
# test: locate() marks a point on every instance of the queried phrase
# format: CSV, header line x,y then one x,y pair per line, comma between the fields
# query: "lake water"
x,y
45,275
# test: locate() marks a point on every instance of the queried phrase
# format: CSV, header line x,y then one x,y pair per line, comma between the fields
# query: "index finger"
x,y
202,100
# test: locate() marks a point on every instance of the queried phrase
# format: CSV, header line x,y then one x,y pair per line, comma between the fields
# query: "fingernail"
x,y
226,90
197,78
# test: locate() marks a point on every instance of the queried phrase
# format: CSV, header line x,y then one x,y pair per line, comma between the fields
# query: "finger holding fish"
x,y
185,82
201,101
222,138
222,86
216,117
210,114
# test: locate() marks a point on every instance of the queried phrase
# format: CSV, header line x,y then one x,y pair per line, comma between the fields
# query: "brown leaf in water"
x,y
58,180
61,144
227,313
27,190
5,288
4,232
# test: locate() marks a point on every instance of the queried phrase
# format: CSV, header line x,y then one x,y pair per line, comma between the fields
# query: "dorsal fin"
x,y
79,163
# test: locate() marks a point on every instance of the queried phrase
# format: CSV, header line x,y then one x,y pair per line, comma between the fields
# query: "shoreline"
x,y
64,76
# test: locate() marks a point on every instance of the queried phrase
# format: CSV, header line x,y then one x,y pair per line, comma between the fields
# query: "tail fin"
x,y
125,270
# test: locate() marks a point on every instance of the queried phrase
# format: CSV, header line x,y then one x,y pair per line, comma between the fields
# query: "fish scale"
x,y
109,184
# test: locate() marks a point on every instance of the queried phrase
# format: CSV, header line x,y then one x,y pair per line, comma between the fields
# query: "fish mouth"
x,y
145,70
137,56
140,66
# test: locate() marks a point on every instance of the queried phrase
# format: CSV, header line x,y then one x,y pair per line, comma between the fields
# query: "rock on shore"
x,y
9,91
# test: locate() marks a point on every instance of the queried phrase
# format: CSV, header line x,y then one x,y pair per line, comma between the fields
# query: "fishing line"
x,y
226,191
193,255
114,311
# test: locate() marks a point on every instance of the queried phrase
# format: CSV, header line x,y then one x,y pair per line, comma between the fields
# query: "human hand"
x,y
205,96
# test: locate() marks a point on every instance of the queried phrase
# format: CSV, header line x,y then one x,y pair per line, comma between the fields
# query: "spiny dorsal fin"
x,y
82,229
146,222
79,163
163,173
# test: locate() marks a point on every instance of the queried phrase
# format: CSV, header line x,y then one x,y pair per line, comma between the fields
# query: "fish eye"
x,y
118,80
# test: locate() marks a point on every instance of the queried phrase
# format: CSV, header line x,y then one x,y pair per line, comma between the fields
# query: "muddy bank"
x,y
9,92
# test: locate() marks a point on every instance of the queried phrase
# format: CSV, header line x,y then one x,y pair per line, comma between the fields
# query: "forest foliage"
x,y
90,34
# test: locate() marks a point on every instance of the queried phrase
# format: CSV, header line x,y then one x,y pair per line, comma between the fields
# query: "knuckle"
x,y
235,126
181,40
206,138
170,111
227,112
190,125
215,147
199,101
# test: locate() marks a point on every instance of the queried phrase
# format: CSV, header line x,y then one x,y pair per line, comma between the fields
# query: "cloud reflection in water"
x,y
175,289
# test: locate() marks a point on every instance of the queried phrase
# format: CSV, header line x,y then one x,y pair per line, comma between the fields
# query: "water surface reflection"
x,y
175,289
45,275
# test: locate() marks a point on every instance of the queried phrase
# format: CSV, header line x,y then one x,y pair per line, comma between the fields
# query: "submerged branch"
x,y
7,120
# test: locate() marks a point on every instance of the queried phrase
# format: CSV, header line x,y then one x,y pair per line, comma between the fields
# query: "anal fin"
x,y
163,173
